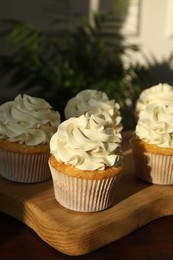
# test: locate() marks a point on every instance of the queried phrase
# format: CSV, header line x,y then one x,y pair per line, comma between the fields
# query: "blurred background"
x,y
55,48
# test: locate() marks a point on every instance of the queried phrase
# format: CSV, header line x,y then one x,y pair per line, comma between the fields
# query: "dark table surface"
x,y
152,241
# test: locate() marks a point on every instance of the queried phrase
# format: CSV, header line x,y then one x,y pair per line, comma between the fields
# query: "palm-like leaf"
x,y
64,63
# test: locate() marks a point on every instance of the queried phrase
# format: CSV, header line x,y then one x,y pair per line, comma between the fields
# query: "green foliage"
x,y
63,63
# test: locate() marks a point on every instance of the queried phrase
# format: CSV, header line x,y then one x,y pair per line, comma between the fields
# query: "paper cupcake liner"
x,y
153,168
81,194
26,168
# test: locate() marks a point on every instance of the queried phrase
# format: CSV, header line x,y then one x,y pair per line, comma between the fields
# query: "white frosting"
x,y
93,101
160,94
87,142
28,120
155,125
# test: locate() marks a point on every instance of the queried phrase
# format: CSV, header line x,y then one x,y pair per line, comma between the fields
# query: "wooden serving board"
x,y
136,204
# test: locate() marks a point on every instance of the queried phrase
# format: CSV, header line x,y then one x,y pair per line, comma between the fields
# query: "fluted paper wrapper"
x,y
153,168
25,168
81,194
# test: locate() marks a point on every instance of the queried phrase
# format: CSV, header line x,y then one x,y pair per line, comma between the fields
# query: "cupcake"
x,y
152,144
160,94
26,126
86,163
94,101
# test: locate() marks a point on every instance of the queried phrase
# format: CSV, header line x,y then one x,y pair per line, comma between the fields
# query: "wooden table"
x,y
153,241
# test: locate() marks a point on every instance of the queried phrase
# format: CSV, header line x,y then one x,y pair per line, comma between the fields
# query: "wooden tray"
x,y
136,204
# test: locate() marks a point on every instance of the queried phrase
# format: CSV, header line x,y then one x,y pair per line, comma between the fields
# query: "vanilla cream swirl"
x,y
87,142
28,120
160,94
155,125
94,101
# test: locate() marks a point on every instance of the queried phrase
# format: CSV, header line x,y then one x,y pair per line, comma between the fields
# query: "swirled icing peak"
x,y
87,142
28,120
93,101
160,94
155,125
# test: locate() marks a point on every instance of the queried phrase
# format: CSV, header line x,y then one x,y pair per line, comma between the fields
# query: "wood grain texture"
x,y
136,204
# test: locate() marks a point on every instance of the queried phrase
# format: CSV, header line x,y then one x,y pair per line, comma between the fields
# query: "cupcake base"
x,y
84,195
26,167
152,164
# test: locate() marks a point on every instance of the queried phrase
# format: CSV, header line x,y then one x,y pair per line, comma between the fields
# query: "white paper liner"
x,y
25,168
153,168
81,194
